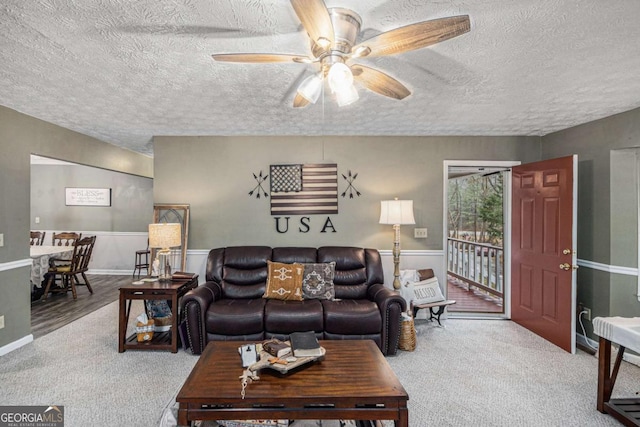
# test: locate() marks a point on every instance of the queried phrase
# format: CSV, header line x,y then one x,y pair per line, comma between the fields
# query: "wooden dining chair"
x,y
37,238
85,266
65,238
68,273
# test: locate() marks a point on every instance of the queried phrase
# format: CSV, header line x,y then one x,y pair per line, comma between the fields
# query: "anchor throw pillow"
x,y
284,281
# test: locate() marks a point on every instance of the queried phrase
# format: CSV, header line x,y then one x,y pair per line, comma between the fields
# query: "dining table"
x,y
41,256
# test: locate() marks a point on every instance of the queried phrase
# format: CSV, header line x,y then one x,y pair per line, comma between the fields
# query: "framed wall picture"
x,y
75,196
174,213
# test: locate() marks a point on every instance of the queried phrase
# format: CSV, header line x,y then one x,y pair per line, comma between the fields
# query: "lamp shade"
x,y
311,87
165,235
396,212
347,96
339,77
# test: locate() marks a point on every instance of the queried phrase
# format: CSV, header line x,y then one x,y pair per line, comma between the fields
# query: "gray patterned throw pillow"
x,y
317,281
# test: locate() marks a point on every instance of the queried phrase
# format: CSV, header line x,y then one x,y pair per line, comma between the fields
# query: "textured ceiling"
x,y
123,71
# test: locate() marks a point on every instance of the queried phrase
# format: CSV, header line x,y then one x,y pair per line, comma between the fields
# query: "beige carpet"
x,y
471,373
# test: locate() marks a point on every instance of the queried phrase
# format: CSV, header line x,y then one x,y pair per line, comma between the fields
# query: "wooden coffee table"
x,y
354,381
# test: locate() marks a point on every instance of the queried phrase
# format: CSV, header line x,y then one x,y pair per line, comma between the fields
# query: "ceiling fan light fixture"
x,y
333,32
347,95
311,87
339,77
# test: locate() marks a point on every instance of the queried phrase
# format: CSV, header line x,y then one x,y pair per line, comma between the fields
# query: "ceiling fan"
x,y
333,33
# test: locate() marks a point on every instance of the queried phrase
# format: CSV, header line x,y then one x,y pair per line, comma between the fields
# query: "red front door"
x,y
543,249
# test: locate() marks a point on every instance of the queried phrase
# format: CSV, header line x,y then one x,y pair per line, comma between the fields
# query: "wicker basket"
x,y
407,340
163,324
144,331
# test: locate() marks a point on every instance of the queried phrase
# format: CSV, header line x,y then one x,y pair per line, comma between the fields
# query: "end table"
x,y
171,290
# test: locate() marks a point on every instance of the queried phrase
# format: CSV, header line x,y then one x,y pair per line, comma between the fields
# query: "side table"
x,y
171,290
625,332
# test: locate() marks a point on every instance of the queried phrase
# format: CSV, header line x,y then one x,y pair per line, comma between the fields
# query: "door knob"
x,y
565,266
566,251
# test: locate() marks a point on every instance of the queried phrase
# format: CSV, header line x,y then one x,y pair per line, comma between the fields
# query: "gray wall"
x,y
607,208
131,199
215,174
20,136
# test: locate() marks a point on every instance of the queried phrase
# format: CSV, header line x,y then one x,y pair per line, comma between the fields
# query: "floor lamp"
x,y
396,212
164,236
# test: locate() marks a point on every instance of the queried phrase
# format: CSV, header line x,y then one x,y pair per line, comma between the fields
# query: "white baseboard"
x,y
16,344
587,342
631,358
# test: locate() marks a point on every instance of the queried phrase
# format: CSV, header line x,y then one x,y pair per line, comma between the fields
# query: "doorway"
x,y
477,236
539,263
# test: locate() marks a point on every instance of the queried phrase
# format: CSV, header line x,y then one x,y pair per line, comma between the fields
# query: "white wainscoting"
x,y
114,252
414,260
197,262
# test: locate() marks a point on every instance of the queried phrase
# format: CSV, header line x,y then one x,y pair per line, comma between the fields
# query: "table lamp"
x,y
164,236
396,212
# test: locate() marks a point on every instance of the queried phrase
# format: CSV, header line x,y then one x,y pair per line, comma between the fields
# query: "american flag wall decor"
x,y
304,189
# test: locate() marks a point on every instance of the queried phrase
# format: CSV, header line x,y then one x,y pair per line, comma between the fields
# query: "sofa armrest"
x,y
194,305
391,306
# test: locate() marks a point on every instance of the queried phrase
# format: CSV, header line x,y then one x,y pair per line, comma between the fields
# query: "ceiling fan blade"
x,y
414,36
379,82
316,21
299,101
259,57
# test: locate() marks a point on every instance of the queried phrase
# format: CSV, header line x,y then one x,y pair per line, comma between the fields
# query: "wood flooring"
x,y
61,309
471,300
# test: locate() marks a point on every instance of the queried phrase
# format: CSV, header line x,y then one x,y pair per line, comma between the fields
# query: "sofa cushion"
x,y
293,254
235,316
284,281
351,317
317,280
350,279
240,270
284,317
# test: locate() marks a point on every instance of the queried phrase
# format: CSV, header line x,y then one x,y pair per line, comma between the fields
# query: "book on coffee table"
x,y
305,344
276,347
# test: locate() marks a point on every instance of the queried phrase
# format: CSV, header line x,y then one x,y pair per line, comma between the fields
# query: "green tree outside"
x,y
475,208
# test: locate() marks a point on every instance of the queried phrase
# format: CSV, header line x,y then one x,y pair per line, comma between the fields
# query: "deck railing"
x,y
479,264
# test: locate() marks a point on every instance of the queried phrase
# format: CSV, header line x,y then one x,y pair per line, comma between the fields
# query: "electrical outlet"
x,y
587,314
1,239
1,322
420,233
37,220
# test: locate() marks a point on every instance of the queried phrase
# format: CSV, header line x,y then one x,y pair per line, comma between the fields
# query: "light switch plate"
x,y
1,322
420,233
1,239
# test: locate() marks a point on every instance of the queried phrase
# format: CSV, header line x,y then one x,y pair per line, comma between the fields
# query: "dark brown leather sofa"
x,y
229,306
